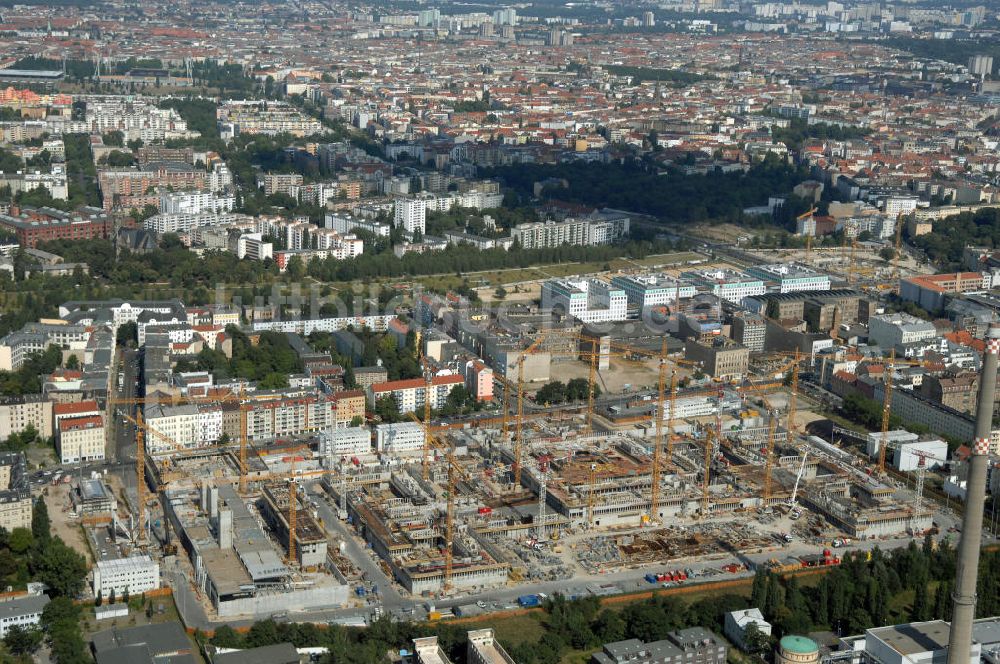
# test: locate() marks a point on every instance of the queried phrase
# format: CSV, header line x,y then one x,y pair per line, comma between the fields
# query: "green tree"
x,y
226,637
551,393
754,640
20,541
41,527
22,641
72,363
61,568
921,609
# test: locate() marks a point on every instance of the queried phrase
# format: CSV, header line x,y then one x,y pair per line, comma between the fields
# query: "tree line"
x,y
669,195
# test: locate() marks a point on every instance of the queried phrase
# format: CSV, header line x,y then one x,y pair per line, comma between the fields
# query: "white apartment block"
x,y
645,291
268,118
587,300
16,347
54,182
18,413
195,202
187,425
346,442
253,247
600,230
346,224
181,222
24,612
410,214
307,326
897,205
81,439
409,394
137,574
727,284
399,439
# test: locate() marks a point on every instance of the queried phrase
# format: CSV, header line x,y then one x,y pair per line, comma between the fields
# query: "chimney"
x,y
964,597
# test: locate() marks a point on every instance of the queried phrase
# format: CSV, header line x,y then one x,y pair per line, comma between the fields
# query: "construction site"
x,y
660,475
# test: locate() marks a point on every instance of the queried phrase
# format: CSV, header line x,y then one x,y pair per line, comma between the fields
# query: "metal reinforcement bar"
x,y
964,597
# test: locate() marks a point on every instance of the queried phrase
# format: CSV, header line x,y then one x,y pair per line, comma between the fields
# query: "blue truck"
x,y
528,601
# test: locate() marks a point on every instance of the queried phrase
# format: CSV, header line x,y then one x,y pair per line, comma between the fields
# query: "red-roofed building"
x,y
81,438
929,290
61,411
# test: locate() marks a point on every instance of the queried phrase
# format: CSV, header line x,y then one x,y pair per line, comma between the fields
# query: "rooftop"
x,y
913,638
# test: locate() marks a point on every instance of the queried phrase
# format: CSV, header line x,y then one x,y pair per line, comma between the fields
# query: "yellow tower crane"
x,y
886,410
654,494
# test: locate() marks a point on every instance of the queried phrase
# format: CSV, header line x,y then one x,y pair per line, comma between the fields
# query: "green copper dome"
x,y
801,645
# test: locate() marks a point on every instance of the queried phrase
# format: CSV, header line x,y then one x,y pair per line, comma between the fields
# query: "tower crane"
x,y
886,409
654,496
519,430
798,478
543,477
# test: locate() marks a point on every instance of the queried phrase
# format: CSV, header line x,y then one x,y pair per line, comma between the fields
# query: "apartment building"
x,y
479,380
17,347
137,574
187,425
410,214
409,394
346,406
195,202
729,285
182,222
24,612
588,231
957,391
32,225
81,439
288,413
55,182
18,413
15,492
280,183
587,300
253,247
268,118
